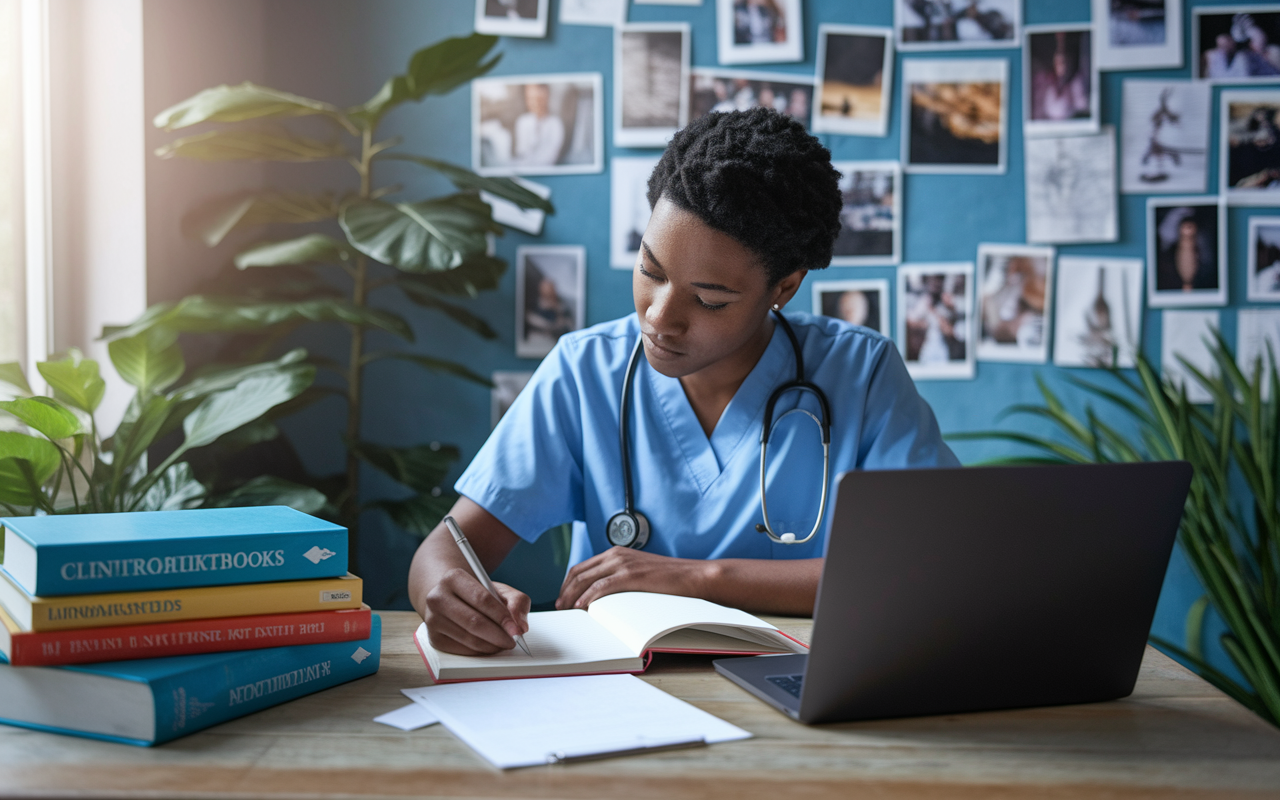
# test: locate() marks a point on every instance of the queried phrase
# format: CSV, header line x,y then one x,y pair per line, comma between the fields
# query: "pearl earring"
x,y
777,307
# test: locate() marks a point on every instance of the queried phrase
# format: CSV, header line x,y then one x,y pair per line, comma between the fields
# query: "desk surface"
x,y
1176,736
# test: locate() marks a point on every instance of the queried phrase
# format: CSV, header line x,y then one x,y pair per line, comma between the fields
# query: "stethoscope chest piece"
x,y
628,529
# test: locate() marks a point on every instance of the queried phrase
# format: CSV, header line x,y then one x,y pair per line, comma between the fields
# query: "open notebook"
x,y
617,633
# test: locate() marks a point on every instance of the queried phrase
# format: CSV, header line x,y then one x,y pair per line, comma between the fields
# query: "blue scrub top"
x,y
555,456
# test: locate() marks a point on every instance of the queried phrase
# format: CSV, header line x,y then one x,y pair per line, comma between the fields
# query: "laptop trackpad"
x,y
774,679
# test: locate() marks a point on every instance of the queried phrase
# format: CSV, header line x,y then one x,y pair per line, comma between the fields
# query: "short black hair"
x,y
760,177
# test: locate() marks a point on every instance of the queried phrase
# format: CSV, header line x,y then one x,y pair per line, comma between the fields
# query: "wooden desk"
x,y
1175,737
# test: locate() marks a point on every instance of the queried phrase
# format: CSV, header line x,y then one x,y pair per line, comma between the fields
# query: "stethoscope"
x,y
630,528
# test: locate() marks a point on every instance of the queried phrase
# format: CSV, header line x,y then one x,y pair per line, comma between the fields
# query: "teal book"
x,y
155,700
69,554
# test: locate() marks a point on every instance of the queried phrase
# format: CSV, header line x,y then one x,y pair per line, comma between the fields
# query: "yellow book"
x,y
33,613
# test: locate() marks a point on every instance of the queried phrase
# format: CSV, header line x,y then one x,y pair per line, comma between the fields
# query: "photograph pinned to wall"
x,y
1071,188
954,115
855,74
1138,34
651,83
550,295
862,302
1060,81
1249,172
506,385
1165,137
935,319
1257,342
628,208
667,2
526,18
1186,335
759,31
1097,312
870,214
605,13
1186,251
953,24
712,89
508,213
1014,297
1236,43
537,124
1264,259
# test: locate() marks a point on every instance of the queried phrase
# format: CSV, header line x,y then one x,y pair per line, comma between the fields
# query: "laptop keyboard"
x,y
788,683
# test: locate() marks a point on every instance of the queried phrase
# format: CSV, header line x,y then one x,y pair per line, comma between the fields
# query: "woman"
x,y
744,204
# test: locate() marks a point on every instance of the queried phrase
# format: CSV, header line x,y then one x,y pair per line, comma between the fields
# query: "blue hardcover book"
x,y
154,700
90,553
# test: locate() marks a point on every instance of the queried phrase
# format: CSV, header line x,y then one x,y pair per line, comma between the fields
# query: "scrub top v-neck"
x,y
555,457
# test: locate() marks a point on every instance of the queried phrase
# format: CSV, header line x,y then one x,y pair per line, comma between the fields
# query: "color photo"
x,y
955,115
856,71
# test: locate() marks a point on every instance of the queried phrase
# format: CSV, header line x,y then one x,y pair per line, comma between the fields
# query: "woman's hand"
x,y
463,618
623,569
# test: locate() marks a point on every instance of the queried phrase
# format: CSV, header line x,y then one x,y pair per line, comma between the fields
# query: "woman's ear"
x,y
786,288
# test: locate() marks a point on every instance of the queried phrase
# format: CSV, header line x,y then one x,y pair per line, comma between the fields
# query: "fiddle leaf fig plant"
x,y
357,244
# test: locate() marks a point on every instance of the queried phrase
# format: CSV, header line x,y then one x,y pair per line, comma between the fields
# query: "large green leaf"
x,y
427,362
43,415
419,514
464,178
139,429
437,69
419,237
237,103
421,467
477,274
227,410
75,381
176,489
458,314
268,490
198,313
220,378
314,248
236,145
11,374
151,360
40,457
212,221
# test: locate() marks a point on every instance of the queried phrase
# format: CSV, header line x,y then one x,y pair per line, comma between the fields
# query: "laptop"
x,y
979,588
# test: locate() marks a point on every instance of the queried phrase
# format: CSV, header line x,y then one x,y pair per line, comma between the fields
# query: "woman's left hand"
x,y
623,569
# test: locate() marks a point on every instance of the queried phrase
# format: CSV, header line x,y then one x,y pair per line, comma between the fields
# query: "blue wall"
x,y
342,51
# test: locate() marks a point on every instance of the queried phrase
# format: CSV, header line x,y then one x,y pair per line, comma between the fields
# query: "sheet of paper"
x,y
593,12
409,718
1187,334
554,637
1255,328
637,618
508,213
521,723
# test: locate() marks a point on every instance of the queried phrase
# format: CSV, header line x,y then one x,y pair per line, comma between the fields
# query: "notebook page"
x,y
555,638
639,618
518,723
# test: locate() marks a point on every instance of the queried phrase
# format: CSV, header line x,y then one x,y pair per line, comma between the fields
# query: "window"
x,y
12,262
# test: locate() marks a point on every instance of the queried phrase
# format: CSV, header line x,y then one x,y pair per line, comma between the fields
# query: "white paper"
x,y
508,213
409,718
521,723
1255,329
1071,188
1187,334
593,12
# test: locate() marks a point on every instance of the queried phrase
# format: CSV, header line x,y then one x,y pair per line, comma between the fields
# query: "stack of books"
x,y
143,627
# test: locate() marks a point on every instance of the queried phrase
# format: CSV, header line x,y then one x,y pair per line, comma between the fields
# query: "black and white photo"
x,y
1071,188
715,89
1187,336
1264,259
953,24
550,295
935,319
1014,297
759,31
1097,312
1165,137
650,85
512,17
1186,252
954,115
1138,34
507,213
862,302
629,207
537,124
1234,44
506,385
1060,81
870,213
855,75
1249,170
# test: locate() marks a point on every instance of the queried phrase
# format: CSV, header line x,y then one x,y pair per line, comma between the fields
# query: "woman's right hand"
x,y
463,618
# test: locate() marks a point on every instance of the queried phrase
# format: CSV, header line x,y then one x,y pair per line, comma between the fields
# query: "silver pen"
x,y
478,569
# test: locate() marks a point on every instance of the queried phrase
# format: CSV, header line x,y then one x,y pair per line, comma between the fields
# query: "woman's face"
x,y
702,297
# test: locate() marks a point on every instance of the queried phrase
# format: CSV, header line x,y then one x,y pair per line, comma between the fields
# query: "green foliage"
x,y
429,250
1233,544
